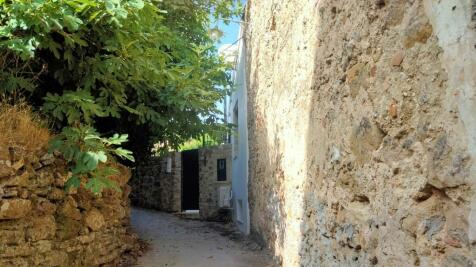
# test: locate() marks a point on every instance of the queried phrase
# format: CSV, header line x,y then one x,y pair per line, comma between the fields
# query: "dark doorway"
x,y
190,184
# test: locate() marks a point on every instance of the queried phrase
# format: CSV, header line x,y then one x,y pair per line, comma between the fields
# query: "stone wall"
x,y
155,187
209,185
362,131
42,225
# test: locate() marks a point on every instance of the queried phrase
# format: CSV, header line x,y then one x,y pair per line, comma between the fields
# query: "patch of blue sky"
x,y
230,36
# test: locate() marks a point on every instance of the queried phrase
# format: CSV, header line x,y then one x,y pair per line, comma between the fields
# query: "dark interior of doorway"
x,y
190,182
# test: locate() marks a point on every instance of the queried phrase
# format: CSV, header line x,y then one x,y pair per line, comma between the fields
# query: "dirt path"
x,y
176,242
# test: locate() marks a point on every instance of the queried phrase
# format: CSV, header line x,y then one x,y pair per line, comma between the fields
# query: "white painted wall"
x,y
239,141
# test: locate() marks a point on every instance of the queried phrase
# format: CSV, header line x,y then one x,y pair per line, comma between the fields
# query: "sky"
x,y
230,36
230,33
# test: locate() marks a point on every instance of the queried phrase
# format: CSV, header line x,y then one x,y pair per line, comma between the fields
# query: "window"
x,y
221,170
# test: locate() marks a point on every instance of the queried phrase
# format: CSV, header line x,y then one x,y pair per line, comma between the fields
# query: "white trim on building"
x,y
237,114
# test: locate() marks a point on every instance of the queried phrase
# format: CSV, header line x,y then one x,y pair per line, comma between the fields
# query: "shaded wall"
x,y
361,140
157,186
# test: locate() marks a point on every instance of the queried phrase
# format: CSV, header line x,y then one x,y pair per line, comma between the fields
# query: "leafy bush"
x,y
143,67
84,147
203,141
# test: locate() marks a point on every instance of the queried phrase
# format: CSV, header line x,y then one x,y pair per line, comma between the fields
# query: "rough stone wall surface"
x,y
42,225
145,185
154,187
209,185
362,131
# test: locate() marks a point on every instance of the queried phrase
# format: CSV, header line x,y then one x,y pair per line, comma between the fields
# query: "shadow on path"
x,y
191,243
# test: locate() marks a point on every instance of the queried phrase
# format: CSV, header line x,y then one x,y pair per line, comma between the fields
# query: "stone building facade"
x,y
210,186
362,131
157,183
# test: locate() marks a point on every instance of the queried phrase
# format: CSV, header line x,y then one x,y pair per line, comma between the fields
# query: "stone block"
x,y
42,228
12,237
17,180
44,207
94,220
14,208
52,258
47,159
68,228
69,209
56,194
14,262
42,179
5,171
22,250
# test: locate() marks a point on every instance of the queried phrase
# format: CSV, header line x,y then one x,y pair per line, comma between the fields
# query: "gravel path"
x,y
176,242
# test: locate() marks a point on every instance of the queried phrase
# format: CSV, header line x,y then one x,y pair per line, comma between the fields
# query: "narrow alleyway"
x,y
176,242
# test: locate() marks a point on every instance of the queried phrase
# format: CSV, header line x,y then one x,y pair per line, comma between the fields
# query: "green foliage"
x,y
85,150
144,67
202,141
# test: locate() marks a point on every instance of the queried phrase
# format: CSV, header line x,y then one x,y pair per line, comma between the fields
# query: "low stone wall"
x,y
155,187
42,225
